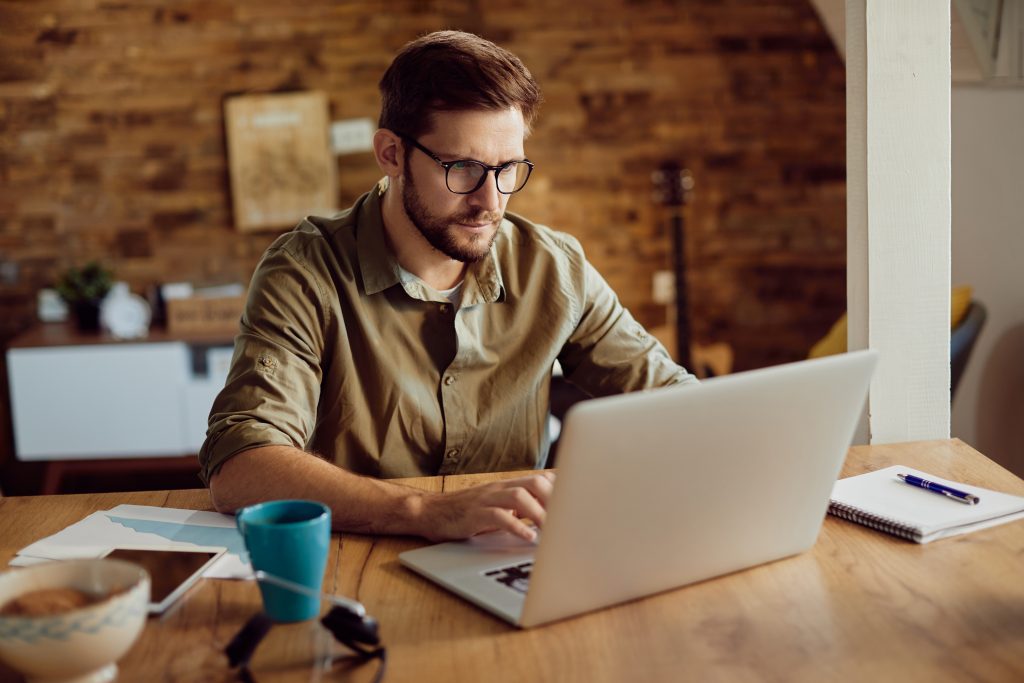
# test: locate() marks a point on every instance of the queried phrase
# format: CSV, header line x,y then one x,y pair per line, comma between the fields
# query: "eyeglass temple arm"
x,y
350,605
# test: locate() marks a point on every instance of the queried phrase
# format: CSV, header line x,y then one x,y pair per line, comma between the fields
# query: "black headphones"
x,y
347,621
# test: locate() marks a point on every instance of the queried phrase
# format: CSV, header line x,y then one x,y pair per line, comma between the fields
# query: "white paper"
x,y
127,525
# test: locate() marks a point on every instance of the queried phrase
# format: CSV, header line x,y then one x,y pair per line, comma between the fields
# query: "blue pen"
x,y
941,489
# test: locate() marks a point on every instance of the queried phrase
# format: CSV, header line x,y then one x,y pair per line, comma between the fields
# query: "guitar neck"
x,y
674,185
682,303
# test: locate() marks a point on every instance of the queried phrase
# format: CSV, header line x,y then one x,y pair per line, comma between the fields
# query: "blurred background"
x,y
114,149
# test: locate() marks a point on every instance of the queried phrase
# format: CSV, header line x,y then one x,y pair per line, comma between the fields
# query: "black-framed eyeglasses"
x,y
466,176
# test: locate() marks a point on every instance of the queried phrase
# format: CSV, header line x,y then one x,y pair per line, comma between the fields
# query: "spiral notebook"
x,y
881,501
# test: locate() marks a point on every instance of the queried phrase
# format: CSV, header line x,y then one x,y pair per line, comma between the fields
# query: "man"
x,y
415,333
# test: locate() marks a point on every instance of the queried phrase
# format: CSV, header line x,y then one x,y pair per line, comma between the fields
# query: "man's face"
x,y
461,226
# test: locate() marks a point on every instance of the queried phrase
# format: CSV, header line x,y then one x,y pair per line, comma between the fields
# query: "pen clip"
x,y
961,499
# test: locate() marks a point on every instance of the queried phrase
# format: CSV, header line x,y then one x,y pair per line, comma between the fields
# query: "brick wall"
x,y
112,140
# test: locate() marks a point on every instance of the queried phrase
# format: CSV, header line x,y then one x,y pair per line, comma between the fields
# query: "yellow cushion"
x,y
835,341
961,301
832,343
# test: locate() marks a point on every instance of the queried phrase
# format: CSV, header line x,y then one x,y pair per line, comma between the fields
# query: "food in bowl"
x,y
49,601
72,641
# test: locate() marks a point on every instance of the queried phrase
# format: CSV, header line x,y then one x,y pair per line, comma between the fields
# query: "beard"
x,y
442,233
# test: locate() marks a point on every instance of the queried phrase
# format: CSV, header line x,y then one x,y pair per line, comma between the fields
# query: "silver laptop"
x,y
660,489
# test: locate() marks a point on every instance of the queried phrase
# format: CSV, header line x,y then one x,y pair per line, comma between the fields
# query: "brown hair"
x,y
453,71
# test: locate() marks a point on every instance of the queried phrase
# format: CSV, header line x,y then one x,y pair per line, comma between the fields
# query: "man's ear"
x,y
388,150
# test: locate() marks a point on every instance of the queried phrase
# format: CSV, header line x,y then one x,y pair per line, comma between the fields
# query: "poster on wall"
x,y
280,160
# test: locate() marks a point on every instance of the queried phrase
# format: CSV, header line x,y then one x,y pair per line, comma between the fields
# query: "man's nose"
x,y
487,196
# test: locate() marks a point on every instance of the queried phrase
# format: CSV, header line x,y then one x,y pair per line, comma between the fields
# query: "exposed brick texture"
x,y
112,140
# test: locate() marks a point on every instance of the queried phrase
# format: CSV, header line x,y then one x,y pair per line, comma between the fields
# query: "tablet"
x,y
172,571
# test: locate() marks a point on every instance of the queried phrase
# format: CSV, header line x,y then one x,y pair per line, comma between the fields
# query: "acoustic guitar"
x,y
673,189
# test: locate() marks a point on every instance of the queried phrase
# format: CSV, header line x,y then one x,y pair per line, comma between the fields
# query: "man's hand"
x,y
374,506
501,505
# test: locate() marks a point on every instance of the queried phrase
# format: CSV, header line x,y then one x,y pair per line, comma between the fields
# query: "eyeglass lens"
x,y
466,176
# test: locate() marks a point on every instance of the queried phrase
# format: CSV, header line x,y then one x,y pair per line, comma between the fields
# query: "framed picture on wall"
x,y
279,158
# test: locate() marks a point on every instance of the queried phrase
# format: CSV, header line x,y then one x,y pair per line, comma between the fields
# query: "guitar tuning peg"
x,y
686,179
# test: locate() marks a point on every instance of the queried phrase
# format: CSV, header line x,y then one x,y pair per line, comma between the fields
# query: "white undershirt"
x,y
453,295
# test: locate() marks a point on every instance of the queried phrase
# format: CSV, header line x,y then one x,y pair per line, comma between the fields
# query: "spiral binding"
x,y
889,526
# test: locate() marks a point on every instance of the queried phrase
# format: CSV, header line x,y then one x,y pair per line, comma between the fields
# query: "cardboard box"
x,y
203,315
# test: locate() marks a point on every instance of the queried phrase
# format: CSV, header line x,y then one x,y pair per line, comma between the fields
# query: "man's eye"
x,y
461,166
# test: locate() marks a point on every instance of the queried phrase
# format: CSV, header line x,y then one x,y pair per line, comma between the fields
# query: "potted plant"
x,y
84,290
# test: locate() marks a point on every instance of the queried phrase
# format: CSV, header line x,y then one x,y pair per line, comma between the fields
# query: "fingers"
x,y
501,505
523,498
518,502
538,485
507,521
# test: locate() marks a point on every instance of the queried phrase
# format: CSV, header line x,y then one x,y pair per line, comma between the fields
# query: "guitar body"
x,y
706,360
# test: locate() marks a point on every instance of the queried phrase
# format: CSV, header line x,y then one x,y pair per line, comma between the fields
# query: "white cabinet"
x,y
113,400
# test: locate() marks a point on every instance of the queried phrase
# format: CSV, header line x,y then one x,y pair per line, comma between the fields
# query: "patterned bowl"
x,y
83,644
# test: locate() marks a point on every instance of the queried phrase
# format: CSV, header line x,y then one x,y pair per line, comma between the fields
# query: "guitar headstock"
x,y
673,184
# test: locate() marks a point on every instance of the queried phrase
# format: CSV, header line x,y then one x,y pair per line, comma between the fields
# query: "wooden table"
x,y
860,606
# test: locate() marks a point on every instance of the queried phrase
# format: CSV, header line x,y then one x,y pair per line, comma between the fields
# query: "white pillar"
x,y
898,211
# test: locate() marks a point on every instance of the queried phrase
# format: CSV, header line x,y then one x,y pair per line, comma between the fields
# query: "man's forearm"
x,y
359,504
372,506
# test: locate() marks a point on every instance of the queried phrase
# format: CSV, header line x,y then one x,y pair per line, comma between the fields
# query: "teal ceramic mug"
x,y
289,539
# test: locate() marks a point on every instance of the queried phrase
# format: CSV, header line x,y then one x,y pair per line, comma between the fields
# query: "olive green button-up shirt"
x,y
337,355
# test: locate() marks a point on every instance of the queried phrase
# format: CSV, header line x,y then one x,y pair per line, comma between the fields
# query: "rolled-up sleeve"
x,y
273,387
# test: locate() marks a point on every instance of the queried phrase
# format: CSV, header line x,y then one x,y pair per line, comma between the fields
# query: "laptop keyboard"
x,y
516,576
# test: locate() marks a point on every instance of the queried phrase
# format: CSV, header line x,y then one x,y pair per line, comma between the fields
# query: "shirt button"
x,y
452,452
443,308
449,380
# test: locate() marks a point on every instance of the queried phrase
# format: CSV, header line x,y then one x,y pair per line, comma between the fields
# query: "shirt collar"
x,y
377,264
380,269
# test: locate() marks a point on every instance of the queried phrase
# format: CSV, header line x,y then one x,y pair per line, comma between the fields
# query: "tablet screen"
x,y
168,570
